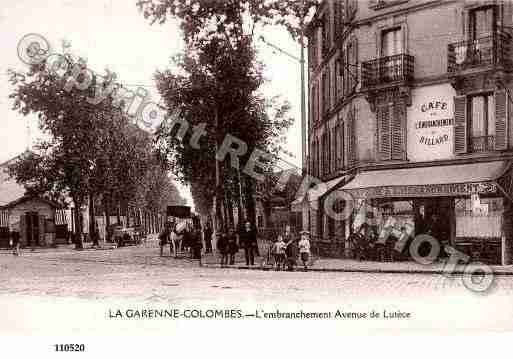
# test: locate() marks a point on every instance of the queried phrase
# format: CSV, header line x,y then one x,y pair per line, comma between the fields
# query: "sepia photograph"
x,y
179,176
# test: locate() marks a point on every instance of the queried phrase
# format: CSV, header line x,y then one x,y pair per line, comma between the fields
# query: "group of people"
x,y
285,252
228,247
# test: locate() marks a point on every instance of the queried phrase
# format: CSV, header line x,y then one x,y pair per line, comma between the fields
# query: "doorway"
x,y
435,216
32,228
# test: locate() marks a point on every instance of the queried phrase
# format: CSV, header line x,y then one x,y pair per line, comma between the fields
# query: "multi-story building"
x,y
410,112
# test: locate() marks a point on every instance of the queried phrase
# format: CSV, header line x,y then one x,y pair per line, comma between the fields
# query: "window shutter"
x,y
460,124
349,140
501,120
397,132
384,138
354,63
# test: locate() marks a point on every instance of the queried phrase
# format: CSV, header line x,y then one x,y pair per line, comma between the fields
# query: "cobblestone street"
x,y
130,276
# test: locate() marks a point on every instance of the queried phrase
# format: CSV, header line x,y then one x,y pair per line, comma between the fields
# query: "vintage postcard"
x,y
302,168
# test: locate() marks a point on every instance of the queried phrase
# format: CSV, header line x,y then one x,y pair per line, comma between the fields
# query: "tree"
x,y
217,83
93,151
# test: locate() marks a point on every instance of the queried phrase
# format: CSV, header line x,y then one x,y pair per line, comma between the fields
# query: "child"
x,y
279,253
304,248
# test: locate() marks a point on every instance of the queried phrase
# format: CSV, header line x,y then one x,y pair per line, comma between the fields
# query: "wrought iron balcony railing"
x,y
388,69
486,51
482,143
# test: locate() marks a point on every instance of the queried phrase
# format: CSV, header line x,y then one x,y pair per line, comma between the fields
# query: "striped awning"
x,y
61,217
4,218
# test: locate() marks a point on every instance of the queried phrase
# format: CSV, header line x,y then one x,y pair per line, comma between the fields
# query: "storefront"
x,y
467,206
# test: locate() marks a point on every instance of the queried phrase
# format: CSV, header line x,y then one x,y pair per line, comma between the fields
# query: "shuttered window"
x,y
481,122
350,137
391,118
350,66
341,144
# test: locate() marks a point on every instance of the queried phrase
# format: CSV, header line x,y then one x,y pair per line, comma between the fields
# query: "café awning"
x,y
316,192
448,180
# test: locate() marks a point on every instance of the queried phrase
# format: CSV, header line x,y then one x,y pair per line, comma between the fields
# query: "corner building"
x,y
410,112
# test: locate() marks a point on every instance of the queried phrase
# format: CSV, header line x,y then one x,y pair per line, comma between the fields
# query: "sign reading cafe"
x,y
431,123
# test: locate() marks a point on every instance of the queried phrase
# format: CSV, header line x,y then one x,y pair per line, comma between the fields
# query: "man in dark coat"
x,y
208,238
249,242
233,248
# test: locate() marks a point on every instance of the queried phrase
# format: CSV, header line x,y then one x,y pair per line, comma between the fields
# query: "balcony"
x,y
387,71
491,51
482,144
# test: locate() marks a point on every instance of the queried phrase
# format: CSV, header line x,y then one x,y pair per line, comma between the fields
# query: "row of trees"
x,y
92,153
216,82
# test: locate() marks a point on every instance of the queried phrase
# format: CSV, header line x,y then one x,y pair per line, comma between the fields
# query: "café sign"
x,y
431,123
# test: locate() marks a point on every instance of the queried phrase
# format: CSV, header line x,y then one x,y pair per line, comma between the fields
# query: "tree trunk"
x,y
92,221
118,214
249,191
79,244
107,220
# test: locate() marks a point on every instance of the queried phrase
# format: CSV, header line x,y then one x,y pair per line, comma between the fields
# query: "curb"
x,y
354,270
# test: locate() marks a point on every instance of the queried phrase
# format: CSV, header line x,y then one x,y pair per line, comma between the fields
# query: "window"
x,y
339,147
481,22
481,122
334,144
325,91
325,34
260,221
391,42
350,66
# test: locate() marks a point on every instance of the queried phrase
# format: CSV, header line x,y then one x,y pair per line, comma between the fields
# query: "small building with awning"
x,y
468,206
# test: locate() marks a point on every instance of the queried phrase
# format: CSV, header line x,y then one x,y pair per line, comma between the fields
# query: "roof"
x,y
317,191
9,189
29,198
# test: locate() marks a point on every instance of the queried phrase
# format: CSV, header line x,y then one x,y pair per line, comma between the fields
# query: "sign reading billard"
x,y
431,123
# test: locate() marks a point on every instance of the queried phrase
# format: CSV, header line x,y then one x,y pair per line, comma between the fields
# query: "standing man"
x,y
208,238
249,242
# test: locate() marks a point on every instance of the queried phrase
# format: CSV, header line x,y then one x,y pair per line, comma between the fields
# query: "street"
x,y
49,286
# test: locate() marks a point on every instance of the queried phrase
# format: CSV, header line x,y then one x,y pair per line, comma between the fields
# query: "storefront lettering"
x,y
431,141
464,189
433,105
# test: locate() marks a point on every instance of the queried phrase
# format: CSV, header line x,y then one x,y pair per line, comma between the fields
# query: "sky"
x,y
114,34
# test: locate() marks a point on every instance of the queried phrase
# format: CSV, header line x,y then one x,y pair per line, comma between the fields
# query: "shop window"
x,y
479,217
481,122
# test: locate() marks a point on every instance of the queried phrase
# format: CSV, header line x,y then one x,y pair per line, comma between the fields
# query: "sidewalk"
x,y
349,265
